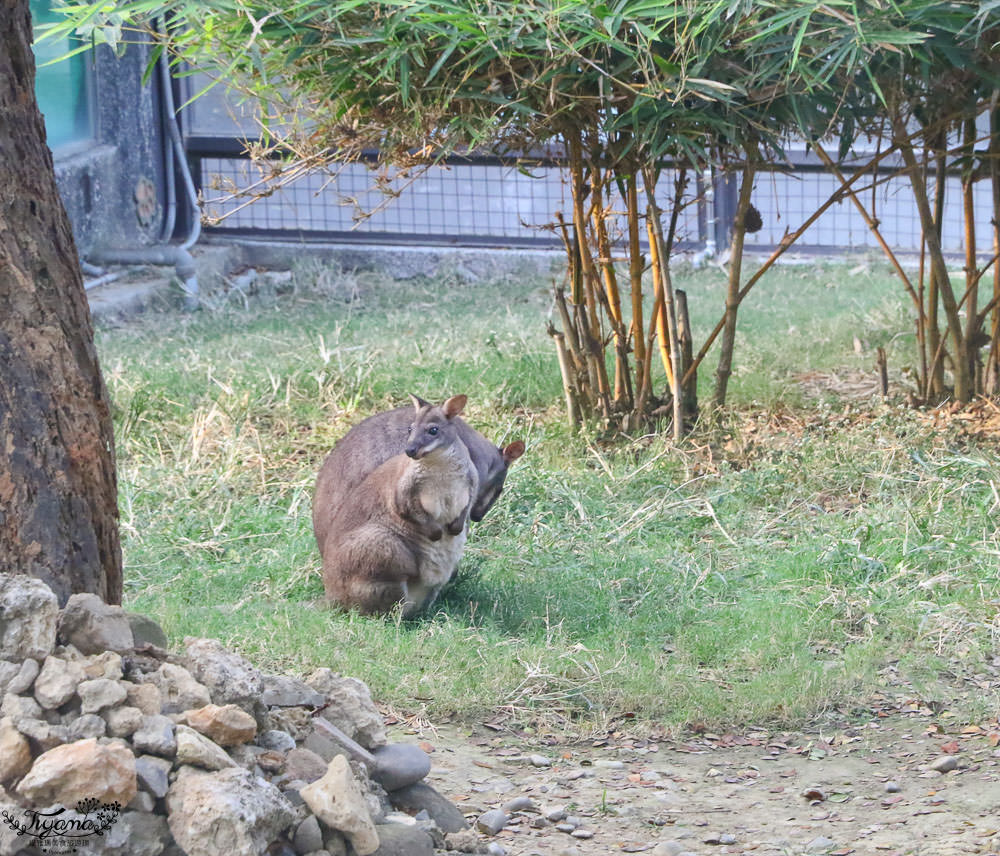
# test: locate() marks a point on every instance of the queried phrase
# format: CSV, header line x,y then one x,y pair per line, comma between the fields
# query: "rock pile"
x,y
111,745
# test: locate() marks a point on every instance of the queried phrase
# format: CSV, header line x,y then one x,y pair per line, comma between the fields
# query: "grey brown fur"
x,y
395,536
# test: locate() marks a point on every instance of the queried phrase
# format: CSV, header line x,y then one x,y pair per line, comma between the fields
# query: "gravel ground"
x,y
910,781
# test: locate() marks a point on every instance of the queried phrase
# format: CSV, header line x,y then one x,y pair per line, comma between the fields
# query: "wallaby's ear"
x,y
418,402
454,405
512,451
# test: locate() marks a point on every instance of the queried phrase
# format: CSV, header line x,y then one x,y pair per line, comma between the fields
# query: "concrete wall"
x,y
98,179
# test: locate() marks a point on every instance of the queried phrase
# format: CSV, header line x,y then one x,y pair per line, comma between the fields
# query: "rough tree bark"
x,y
58,493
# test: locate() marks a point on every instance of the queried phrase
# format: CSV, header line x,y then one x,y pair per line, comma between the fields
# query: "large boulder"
x,y
81,770
29,612
93,626
226,813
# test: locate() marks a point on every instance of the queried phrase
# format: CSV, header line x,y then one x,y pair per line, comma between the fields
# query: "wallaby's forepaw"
x,y
456,526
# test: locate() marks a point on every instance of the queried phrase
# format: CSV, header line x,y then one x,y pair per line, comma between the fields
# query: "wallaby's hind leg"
x,y
368,570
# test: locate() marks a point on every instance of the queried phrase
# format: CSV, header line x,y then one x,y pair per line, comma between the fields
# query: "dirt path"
x,y
868,789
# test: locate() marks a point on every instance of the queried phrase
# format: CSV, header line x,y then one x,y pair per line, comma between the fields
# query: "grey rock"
x,y
156,736
308,836
304,765
8,671
230,678
351,708
582,834
146,697
492,821
555,815
892,787
179,691
20,707
145,631
519,804
45,735
945,764
57,682
225,813
99,693
495,849
334,843
668,848
123,721
464,841
397,839
422,797
278,741
196,749
22,681
820,844
540,761
29,612
322,745
86,725
338,801
107,664
152,774
285,691
93,626
147,834
142,801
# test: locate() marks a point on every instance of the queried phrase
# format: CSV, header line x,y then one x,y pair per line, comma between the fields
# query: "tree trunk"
x,y
58,494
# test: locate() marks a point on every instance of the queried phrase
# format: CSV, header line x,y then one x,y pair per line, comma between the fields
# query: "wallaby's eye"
x,y
433,430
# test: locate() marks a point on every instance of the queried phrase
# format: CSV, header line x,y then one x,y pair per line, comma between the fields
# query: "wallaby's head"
x,y
432,426
492,486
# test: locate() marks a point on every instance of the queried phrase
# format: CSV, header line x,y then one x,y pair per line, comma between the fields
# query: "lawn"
x,y
788,559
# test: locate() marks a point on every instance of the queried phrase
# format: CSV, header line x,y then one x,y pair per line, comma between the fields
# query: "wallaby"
x,y
397,537
372,442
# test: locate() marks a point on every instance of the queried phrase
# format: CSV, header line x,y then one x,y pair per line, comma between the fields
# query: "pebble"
x,y
519,804
565,827
582,833
495,849
667,848
892,787
540,761
491,822
609,764
945,764
555,814
820,844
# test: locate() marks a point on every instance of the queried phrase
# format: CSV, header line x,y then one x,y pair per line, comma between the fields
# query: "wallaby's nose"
x,y
411,451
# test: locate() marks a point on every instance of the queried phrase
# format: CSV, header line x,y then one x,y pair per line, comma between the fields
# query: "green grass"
x,y
768,570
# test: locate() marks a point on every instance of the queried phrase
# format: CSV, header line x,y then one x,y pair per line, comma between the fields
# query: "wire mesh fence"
x,y
490,202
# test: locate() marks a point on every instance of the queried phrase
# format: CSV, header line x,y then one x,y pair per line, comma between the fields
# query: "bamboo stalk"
x,y
623,382
725,367
635,266
573,414
593,338
935,376
963,389
971,296
671,315
684,334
